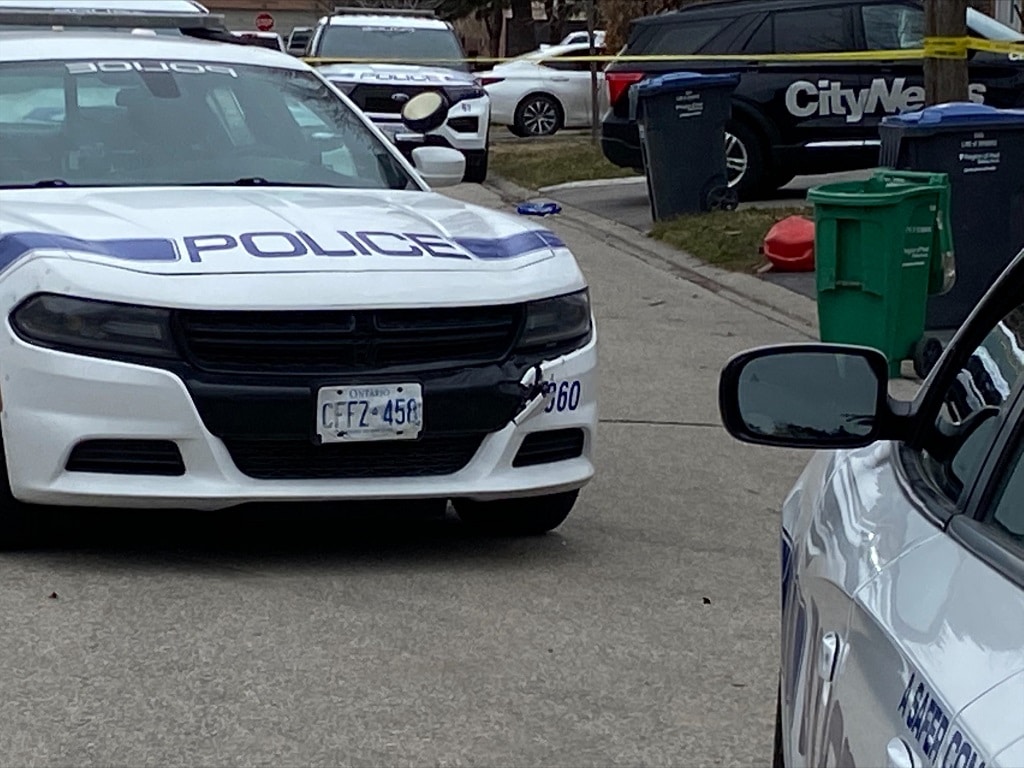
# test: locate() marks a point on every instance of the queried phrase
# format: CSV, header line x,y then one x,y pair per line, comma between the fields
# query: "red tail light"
x,y
490,80
619,82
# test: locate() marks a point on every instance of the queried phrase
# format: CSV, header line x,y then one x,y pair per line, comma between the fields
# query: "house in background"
x,y
474,33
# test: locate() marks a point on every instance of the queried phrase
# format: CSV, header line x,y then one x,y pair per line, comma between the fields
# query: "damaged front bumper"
x,y
517,429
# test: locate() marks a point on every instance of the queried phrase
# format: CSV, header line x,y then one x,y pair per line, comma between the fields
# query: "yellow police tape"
x,y
934,48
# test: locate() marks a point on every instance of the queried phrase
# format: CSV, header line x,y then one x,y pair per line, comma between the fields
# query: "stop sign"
x,y
264,22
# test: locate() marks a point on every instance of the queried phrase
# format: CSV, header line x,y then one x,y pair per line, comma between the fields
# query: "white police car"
x,y
396,54
902,549
221,284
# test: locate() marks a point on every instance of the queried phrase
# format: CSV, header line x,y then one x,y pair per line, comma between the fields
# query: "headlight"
x,y
554,323
457,93
86,326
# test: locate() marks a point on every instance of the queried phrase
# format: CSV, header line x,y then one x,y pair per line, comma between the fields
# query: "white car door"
x,y
570,82
931,671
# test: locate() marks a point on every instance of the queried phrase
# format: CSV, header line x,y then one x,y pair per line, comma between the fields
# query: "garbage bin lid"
x,y
955,114
680,81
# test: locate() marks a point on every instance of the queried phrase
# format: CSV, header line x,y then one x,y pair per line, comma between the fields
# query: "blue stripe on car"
x,y
16,245
510,247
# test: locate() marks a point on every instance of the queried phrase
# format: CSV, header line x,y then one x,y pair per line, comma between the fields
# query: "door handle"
x,y
560,79
898,754
828,655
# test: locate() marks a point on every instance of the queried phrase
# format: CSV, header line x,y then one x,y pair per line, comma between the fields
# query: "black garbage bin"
x,y
981,149
682,119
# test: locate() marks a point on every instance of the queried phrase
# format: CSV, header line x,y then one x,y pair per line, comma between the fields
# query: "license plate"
x,y
369,412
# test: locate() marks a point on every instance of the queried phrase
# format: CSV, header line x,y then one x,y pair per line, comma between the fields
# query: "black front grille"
x,y
127,457
380,98
349,341
549,446
301,459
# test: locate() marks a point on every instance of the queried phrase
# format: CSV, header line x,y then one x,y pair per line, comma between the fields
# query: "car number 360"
x,y
562,396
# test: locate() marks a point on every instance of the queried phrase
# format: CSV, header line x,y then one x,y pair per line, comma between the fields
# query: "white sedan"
x,y
541,92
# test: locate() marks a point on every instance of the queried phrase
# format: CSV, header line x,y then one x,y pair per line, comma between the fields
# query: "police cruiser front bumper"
x,y
466,128
89,431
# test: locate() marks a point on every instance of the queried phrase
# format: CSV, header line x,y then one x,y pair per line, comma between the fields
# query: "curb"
x,y
767,299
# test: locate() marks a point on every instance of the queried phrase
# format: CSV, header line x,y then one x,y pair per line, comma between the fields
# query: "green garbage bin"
x,y
881,247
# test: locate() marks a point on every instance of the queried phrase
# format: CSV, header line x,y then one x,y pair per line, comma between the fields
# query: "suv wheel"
x,y
745,161
476,167
13,513
530,516
538,115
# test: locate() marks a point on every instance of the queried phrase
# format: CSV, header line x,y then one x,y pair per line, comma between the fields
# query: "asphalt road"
x,y
643,632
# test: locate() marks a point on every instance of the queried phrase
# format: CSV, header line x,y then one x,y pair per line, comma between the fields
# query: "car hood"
x,y
396,74
208,231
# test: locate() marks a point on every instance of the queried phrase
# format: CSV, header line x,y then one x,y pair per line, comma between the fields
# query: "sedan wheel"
x,y
538,116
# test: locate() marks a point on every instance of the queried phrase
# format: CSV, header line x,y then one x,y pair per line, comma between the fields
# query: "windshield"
x,y
153,123
402,44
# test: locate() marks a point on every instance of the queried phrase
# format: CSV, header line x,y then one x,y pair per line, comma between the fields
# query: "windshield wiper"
x,y
258,181
41,184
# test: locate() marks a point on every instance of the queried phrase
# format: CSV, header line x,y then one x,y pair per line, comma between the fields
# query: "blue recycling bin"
x,y
981,149
682,118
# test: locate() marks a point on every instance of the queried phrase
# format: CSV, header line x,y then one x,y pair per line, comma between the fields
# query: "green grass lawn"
x,y
727,239
536,163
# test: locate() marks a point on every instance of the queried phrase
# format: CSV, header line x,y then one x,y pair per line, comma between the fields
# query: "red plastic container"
x,y
789,245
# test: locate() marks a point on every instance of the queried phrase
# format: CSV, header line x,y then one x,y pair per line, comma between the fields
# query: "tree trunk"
x,y
520,37
945,80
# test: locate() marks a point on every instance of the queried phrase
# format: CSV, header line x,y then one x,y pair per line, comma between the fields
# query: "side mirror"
x,y
806,396
439,166
425,112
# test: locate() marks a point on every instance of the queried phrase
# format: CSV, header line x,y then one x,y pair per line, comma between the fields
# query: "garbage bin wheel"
x,y
538,115
721,198
745,160
927,352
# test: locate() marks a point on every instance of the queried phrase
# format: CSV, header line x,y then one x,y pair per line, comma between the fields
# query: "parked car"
x,y
902,556
540,93
416,52
803,116
221,284
575,38
298,39
270,40
582,37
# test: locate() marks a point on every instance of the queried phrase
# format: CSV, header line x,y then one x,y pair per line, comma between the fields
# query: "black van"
x,y
800,117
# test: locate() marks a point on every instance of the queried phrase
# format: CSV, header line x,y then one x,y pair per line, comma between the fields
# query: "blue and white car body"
x,y
902,558
270,305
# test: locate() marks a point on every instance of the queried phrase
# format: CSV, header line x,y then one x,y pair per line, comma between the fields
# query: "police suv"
x,y
799,117
396,54
220,283
902,546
